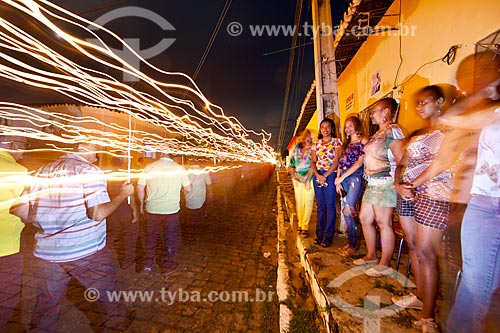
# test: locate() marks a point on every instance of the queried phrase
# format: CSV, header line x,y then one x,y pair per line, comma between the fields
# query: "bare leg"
x,y
410,229
383,217
367,218
428,252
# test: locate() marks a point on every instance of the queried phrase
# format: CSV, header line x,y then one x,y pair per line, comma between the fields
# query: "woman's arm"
x,y
448,154
314,158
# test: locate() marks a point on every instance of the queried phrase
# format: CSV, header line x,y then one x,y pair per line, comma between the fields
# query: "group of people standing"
x,y
418,175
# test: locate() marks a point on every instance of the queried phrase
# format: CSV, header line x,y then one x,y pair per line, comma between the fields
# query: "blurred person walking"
x,y
159,193
68,204
301,172
197,197
477,306
123,223
11,226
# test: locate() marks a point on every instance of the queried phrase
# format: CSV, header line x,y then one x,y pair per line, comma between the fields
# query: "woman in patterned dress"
x,y
301,171
427,185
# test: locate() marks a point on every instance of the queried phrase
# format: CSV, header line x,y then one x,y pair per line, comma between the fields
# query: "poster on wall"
x,y
349,102
376,82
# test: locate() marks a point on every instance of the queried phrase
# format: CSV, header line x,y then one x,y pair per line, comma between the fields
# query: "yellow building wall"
x,y
429,29
313,125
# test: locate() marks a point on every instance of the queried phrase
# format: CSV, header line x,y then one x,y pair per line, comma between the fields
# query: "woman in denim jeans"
x,y
476,308
350,178
325,157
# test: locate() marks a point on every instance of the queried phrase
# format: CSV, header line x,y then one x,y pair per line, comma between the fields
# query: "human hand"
x,y
338,187
491,90
405,190
127,189
321,179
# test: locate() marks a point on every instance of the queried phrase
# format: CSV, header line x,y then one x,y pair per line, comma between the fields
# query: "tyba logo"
x,y
126,54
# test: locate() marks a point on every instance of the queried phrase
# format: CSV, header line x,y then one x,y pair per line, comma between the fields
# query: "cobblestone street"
x,y
220,281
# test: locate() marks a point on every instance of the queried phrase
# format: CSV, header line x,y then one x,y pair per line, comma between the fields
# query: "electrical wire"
x,y
400,47
286,110
212,38
448,58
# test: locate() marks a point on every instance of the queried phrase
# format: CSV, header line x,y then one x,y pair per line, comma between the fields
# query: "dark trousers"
x,y
11,274
95,273
124,233
156,226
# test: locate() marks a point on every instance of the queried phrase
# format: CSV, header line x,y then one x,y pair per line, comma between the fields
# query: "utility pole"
x,y
327,94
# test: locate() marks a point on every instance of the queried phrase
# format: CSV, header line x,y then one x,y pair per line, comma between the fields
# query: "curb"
x,y
283,278
319,295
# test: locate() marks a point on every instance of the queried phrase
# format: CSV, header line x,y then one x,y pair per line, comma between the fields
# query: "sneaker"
x,y
379,271
428,325
408,302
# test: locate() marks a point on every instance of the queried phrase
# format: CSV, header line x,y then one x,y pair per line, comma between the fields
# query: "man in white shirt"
x,y
158,191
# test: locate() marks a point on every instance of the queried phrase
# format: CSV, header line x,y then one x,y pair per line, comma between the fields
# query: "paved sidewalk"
x,y
350,300
219,261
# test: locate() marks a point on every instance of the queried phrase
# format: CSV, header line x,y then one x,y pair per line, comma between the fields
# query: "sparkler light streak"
x,y
60,184
37,50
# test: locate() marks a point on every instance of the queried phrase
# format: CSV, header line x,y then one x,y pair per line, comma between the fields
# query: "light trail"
x,y
71,66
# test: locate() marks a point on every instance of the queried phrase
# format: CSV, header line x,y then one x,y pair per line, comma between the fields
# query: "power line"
x,y
286,110
212,38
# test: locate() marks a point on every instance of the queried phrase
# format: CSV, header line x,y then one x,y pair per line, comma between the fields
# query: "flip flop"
x,y
348,252
361,262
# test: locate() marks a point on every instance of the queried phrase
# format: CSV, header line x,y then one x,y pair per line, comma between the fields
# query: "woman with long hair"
x,y
325,157
301,171
379,199
350,178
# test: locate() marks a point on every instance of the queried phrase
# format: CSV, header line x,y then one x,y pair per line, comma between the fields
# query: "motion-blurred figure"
x,y
195,199
477,306
11,259
68,204
123,223
159,193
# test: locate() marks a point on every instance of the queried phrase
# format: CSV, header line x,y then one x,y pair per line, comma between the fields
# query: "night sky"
x,y
238,74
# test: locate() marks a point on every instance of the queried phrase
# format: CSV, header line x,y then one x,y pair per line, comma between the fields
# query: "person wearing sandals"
x,y
325,157
301,172
425,202
350,179
379,199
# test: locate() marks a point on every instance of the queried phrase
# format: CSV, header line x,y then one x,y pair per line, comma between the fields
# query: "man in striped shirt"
x,y
68,203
